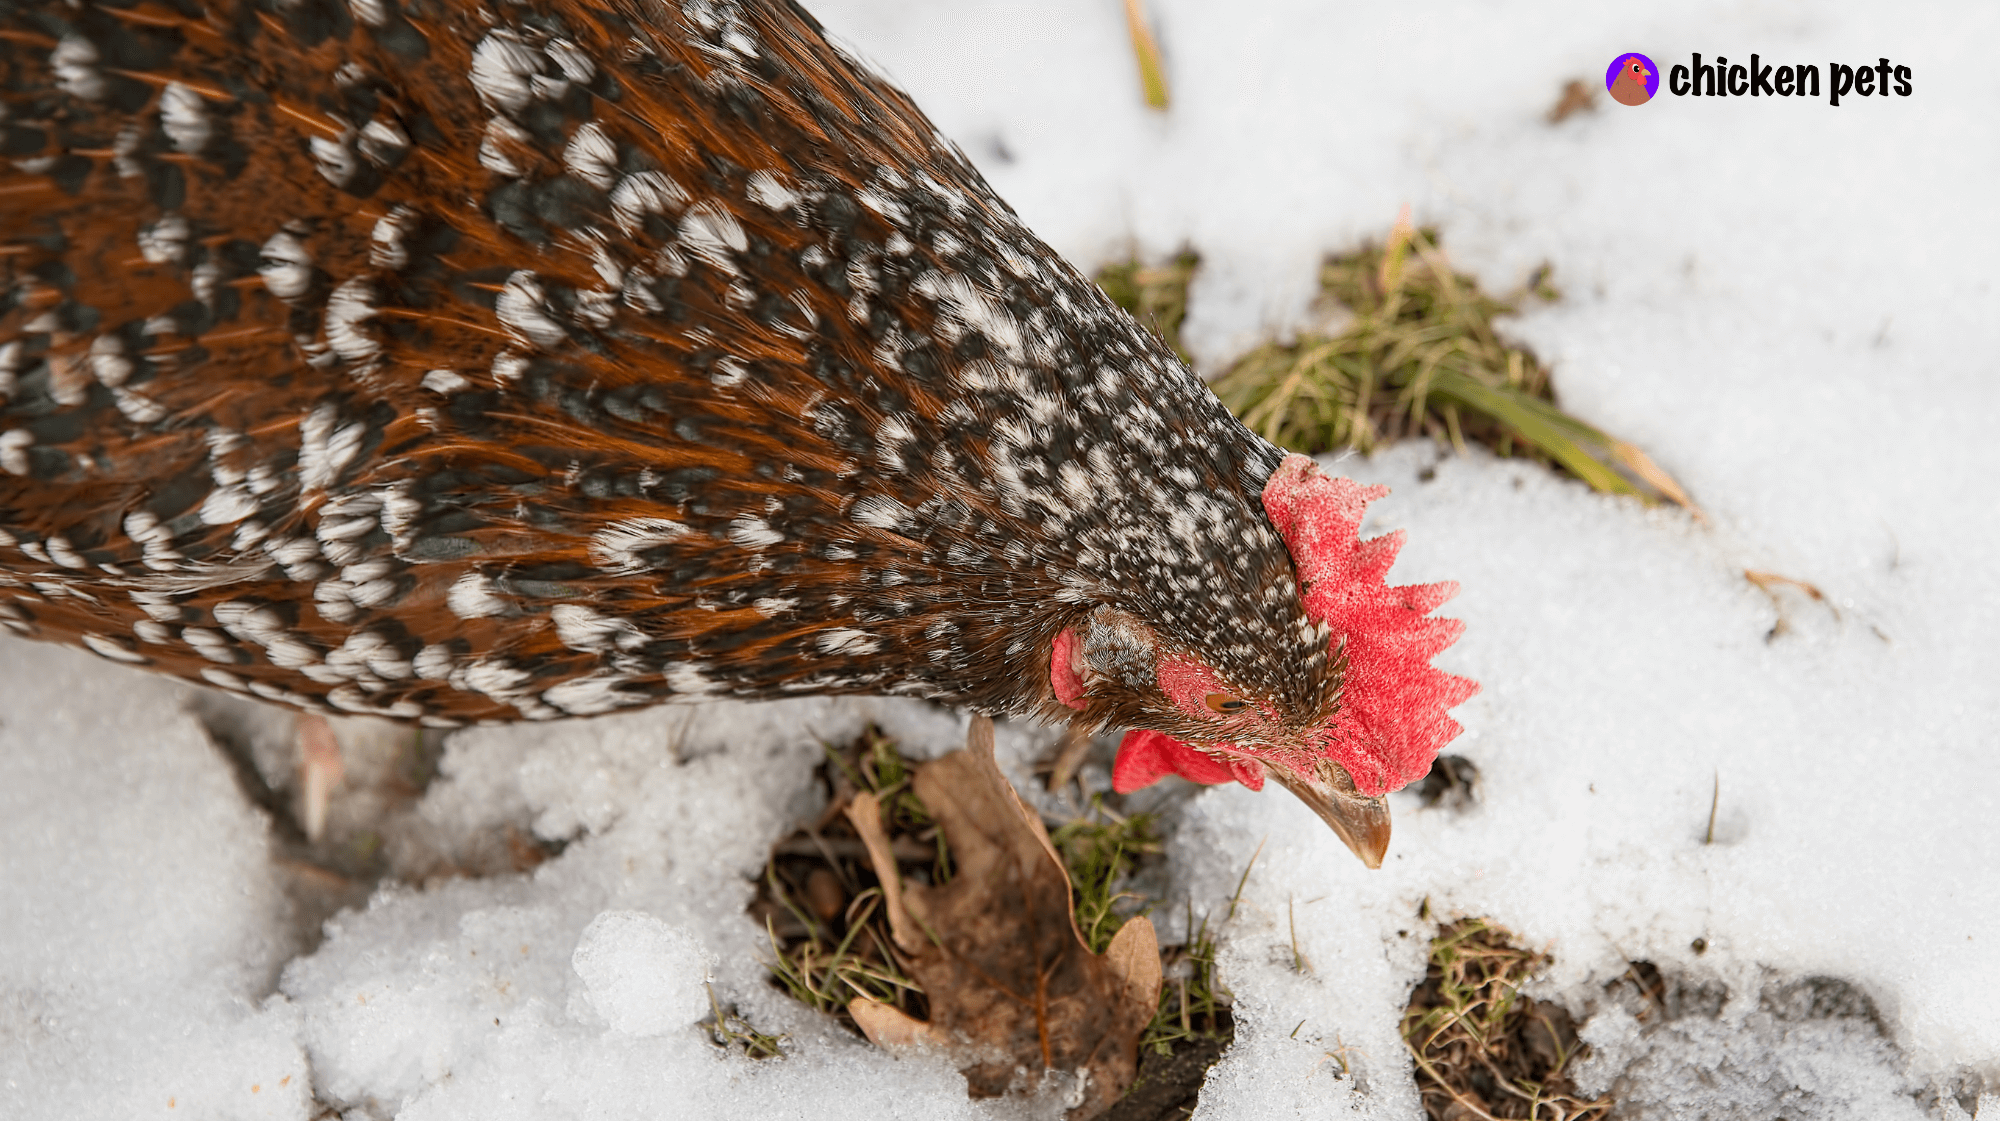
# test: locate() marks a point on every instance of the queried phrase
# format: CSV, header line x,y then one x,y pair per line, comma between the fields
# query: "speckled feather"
x,y
461,362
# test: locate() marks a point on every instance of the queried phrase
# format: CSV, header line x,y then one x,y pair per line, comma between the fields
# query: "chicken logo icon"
x,y
1632,79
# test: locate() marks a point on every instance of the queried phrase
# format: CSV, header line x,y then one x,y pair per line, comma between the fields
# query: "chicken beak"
x,y
1361,822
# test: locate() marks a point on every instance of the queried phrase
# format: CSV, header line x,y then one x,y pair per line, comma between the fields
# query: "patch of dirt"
x,y
1169,1086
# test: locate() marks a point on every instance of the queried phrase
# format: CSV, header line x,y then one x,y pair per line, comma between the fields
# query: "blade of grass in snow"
x,y
1152,73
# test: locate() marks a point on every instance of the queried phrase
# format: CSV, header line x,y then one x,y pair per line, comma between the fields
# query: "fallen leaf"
x,y
1012,988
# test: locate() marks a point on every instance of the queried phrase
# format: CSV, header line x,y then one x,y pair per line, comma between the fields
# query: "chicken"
x,y
463,362
1630,87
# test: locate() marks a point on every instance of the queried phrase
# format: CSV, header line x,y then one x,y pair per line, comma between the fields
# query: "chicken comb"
x,y
1392,718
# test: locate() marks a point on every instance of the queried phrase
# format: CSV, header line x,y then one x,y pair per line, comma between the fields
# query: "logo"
x,y
1632,79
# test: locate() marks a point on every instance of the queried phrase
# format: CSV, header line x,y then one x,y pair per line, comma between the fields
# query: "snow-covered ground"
x,y
1789,305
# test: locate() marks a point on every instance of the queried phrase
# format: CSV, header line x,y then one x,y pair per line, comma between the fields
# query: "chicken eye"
x,y
1225,703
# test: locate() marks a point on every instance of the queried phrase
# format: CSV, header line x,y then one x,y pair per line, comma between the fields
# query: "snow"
x,y
643,976
1787,304
142,927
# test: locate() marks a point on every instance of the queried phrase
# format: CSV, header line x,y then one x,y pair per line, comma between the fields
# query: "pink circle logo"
x,y
1632,79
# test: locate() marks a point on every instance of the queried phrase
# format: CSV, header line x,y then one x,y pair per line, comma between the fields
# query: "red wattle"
x,y
1145,757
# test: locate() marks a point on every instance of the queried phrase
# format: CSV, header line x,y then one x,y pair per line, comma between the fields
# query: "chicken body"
x,y
479,360
456,362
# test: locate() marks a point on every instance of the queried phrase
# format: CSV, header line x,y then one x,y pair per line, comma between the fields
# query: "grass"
x,y
1191,1029
731,1032
1192,1005
1100,850
1483,1050
1146,52
1772,585
820,902
1417,356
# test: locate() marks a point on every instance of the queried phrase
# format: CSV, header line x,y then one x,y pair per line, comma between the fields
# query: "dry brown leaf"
x,y
889,1027
1011,984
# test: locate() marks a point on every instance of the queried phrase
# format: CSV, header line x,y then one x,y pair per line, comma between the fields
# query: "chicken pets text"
x,y
1698,79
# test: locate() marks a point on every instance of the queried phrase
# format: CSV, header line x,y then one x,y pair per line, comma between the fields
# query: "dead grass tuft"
x,y
1482,1049
820,902
1416,355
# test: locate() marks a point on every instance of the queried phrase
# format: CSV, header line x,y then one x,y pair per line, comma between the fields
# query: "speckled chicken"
x,y
460,362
